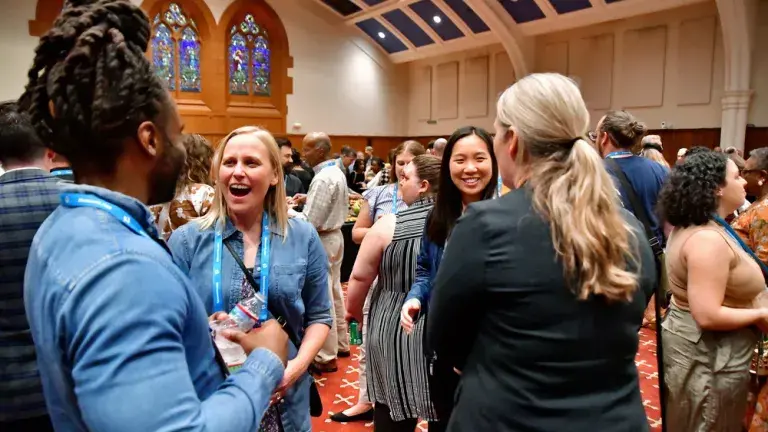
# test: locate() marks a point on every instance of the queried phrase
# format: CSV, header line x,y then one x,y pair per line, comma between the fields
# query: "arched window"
x,y
176,50
249,59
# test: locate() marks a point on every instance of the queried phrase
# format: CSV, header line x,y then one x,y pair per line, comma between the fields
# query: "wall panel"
x,y
446,87
643,57
696,51
475,93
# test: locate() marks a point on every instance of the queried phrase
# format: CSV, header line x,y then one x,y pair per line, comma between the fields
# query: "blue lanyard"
x,y
62,172
88,200
498,185
619,154
218,295
729,229
394,200
329,164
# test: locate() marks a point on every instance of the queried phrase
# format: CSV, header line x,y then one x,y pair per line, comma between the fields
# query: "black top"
x,y
353,181
305,175
534,357
293,185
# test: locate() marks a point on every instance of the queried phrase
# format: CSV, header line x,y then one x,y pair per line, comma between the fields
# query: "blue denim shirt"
x,y
298,287
122,339
427,264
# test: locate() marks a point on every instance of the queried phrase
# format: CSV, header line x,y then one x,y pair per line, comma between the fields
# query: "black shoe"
x,y
344,354
343,418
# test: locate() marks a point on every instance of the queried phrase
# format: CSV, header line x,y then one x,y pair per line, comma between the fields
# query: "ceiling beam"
x,y
377,10
547,8
592,16
360,3
450,47
392,29
424,26
506,32
453,16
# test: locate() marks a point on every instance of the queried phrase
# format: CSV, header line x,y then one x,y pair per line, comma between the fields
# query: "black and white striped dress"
x,y
397,374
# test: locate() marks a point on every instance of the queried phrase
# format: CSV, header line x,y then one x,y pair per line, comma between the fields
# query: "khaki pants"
x,y
362,381
338,339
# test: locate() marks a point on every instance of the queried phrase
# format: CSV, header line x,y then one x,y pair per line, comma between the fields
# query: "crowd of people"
x,y
124,241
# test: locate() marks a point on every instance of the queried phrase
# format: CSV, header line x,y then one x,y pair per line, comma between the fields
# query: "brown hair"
x,y
569,184
623,128
428,168
413,147
197,166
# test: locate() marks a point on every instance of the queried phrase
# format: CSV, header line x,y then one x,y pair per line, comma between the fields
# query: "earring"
x,y
760,183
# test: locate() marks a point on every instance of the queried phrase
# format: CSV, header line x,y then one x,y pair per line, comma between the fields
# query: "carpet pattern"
x,y
339,390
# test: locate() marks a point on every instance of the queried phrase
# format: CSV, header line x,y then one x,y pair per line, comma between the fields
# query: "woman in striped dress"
x,y
397,367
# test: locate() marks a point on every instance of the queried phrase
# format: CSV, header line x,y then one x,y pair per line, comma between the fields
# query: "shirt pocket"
x,y
290,280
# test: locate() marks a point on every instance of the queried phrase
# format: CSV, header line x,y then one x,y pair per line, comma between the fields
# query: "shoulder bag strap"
x,y
251,281
641,214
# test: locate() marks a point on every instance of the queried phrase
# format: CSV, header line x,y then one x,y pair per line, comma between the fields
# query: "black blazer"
x,y
533,356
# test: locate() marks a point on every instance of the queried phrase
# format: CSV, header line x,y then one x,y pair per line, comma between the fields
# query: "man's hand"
x,y
299,199
270,336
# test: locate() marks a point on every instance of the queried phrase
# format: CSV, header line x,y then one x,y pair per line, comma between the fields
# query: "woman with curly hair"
x,y
708,335
194,194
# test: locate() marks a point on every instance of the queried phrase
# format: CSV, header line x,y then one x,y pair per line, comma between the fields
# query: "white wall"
x,y
664,67
343,85
456,90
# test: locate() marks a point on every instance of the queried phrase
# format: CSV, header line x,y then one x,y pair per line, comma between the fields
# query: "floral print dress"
x,y
194,201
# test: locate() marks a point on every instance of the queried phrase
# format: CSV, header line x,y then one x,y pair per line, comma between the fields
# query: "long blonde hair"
x,y
654,155
274,201
570,185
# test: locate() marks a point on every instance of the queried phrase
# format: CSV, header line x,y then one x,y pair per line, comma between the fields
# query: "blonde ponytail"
x,y
570,185
579,199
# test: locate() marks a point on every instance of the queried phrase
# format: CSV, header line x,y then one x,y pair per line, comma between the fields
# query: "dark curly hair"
x,y
689,196
697,150
90,85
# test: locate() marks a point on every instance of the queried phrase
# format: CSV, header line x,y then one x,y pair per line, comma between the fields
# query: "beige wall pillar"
x,y
738,20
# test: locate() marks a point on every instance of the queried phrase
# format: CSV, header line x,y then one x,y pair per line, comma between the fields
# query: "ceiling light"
x,y
437,19
382,35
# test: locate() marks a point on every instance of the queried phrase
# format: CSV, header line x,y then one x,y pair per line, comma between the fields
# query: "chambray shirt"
x,y
122,338
298,287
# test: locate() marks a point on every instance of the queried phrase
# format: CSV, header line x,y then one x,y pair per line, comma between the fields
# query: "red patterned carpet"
x,y
339,390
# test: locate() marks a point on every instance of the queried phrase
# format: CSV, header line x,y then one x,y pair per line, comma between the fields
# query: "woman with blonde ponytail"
x,y
540,293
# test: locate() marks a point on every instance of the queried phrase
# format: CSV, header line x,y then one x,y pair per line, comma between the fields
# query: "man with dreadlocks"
x,y
121,335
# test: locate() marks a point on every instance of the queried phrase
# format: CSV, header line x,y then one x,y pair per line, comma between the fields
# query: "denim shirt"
x,y
427,264
122,338
298,287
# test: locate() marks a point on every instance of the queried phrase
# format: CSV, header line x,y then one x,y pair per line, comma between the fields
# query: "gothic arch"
x,y
206,30
269,111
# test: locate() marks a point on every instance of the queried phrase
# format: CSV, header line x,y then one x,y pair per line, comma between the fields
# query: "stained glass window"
x,y
164,56
249,59
176,49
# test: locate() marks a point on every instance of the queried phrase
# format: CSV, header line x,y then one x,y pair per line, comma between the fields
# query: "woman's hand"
x,y
291,375
409,311
350,316
218,316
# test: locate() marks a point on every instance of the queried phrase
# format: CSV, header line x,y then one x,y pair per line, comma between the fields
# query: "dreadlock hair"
x,y
90,85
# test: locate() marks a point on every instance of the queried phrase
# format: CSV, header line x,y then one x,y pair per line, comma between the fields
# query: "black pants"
x,y
442,388
35,424
382,422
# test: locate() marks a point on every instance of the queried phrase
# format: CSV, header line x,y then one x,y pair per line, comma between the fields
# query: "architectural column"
x,y
509,36
737,18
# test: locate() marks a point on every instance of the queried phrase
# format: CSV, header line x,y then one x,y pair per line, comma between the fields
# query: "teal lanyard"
x,y
394,200
218,294
88,200
617,154
729,229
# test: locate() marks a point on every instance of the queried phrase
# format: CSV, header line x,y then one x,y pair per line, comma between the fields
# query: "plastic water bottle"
x,y
355,337
243,317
